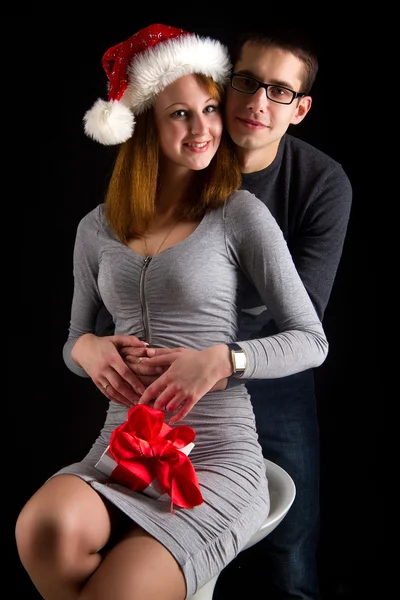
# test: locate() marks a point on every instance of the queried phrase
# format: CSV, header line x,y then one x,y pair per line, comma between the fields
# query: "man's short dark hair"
x,y
293,40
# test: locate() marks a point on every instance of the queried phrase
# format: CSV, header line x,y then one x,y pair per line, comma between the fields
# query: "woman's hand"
x,y
100,357
142,369
189,375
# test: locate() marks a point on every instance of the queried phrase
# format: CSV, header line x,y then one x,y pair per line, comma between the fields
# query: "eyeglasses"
x,y
275,93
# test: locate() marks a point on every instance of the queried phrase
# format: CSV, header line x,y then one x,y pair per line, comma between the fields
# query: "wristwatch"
x,y
239,359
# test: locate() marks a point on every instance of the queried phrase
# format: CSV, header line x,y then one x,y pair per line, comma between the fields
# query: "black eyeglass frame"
x,y
265,86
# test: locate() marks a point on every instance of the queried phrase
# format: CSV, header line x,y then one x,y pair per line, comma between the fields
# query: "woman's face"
x,y
189,123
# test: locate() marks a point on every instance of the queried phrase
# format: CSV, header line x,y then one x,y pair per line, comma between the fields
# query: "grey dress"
x,y
189,295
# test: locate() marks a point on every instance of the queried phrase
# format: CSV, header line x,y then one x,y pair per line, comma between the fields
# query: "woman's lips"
x,y
197,147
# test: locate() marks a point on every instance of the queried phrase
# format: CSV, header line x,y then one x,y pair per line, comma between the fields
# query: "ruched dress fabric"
x,y
189,295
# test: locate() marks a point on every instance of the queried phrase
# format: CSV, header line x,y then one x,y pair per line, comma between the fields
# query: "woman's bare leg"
x,y
138,567
59,533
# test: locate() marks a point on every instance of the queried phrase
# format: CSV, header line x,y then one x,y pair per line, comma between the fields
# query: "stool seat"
x,y
282,492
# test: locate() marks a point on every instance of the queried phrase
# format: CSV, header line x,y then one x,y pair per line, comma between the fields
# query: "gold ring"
x,y
105,387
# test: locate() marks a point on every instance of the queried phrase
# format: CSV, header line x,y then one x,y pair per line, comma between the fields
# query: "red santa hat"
x,y
139,68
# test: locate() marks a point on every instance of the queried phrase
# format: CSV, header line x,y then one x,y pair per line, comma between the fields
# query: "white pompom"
x,y
109,122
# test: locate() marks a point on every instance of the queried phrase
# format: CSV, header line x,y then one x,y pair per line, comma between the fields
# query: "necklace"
x,y
162,243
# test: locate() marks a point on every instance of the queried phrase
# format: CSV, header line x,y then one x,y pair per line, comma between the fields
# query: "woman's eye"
x,y
212,108
179,113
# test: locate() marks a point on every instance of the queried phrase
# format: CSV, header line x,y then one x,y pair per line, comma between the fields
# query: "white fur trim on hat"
x,y
162,64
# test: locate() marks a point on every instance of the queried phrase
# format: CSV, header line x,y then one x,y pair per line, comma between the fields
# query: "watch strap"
x,y
239,359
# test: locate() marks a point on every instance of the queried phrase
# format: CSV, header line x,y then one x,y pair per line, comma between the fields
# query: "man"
x,y
310,196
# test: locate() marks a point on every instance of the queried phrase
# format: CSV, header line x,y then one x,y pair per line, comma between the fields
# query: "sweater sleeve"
x,y
86,300
255,241
318,238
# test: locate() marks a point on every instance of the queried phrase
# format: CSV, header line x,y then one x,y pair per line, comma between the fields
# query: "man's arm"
x,y
317,244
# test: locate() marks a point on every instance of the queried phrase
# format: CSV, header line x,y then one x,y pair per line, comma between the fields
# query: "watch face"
x,y
240,361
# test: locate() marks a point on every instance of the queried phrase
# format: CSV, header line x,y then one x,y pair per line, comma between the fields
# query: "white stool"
x,y
282,493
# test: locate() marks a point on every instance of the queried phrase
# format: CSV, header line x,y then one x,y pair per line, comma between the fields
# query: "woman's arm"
x,y
256,244
85,353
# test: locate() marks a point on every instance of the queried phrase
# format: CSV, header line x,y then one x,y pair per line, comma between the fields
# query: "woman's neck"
x,y
173,184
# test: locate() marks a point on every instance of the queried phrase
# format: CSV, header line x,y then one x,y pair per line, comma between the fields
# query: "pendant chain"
x,y
163,241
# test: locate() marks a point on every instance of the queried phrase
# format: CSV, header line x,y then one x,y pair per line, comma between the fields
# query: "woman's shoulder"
x,y
94,218
242,204
93,226
246,218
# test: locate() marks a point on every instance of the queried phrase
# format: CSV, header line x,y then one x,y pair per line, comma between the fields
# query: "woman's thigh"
x,y
137,566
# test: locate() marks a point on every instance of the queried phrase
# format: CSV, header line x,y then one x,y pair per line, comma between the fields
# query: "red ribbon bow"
x,y
145,448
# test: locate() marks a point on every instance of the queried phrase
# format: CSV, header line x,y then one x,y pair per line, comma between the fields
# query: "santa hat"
x,y
139,68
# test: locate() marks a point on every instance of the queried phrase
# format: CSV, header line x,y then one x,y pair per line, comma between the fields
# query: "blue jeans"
x,y
287,424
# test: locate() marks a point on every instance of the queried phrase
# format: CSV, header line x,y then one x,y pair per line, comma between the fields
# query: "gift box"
x,y
107,465
147,455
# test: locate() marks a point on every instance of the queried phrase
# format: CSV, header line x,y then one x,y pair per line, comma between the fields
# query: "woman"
x,y
169,254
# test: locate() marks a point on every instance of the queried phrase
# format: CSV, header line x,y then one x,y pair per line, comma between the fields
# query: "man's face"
x,y
254,122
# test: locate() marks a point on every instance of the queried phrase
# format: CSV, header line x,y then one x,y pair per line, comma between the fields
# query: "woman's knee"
x,y
64,520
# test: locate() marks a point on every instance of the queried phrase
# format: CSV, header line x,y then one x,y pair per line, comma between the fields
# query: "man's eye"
x,y
245,82
279,92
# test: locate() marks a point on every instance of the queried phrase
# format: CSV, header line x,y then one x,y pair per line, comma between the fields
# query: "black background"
x,y
58,414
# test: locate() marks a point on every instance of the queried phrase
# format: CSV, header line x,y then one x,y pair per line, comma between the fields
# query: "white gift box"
x,y
106,464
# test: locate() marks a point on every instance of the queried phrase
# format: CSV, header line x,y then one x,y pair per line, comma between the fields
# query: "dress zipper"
x,y
142,299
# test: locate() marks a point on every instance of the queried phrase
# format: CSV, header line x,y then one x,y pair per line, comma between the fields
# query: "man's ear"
x,y
301,110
